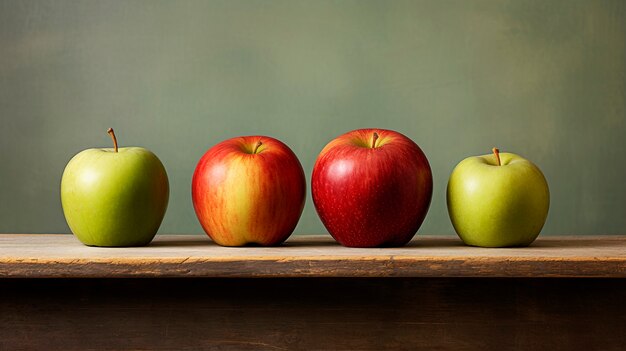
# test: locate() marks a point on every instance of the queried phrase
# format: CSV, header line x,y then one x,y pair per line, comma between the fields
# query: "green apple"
x,y
497,200
114,197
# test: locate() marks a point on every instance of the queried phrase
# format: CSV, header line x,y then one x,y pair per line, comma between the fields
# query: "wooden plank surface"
x,y
59,256
313,314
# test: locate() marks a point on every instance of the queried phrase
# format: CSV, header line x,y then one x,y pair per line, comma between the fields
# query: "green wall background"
x,y
545,79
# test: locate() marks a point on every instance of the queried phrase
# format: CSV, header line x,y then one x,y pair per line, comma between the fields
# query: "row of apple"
x,y
370,187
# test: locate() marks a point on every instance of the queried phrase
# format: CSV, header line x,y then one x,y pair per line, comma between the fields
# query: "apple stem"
x,y
258,145
497,153
374,138
112,134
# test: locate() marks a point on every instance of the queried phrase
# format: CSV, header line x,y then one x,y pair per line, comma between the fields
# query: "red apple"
x,y
372,187
249,190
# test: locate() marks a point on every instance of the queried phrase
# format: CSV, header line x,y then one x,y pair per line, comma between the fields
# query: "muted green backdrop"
x,y
545,79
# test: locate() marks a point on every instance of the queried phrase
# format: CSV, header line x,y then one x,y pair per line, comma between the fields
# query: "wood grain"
x,y
62,256
313,314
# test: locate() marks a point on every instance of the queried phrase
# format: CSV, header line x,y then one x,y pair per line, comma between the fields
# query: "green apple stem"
x,y
497,153
374,138
258,145
112,134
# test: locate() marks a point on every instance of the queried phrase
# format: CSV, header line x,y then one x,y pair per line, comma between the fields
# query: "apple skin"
x,y
114,198
372,197
245,197
497,206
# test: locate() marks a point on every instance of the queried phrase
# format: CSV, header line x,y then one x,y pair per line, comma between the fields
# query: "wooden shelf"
x,y
62,256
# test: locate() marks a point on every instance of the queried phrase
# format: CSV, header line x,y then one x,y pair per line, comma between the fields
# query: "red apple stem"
x,y
374,138
258,145
112,134
497,153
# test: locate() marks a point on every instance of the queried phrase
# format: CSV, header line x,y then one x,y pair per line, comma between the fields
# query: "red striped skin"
x,y
244,198
372,197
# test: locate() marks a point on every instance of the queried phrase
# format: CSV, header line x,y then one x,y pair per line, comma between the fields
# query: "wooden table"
x,y
312,293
